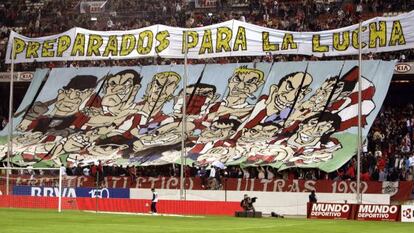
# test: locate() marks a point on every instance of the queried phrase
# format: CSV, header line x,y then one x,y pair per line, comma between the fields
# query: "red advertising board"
x,y
123,205
374,212
397,190
2,190
329,211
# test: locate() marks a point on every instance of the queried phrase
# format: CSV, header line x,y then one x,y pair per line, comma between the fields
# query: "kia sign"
x,y
18,76
26,76
407,213
378,212
330,211
404,68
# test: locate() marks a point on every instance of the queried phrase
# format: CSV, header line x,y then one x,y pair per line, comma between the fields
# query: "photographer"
x,y
247,203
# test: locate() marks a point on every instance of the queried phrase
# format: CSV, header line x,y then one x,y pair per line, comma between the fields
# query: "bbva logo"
x,y
52,192
99,193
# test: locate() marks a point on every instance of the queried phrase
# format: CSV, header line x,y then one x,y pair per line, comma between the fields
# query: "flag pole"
x,y
10,124
358,193
183,120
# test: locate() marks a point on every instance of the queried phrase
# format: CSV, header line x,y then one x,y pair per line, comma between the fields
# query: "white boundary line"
x,y
144,214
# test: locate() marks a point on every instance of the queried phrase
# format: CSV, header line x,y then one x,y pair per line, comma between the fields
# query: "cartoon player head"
x,y
260,132
332,88
162,87
243,83
315,131
220,153
220,129
290,87
120,88
71,97
69,101
106,151
204,95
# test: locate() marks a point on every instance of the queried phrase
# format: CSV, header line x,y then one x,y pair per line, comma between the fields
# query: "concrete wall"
x,y
286,203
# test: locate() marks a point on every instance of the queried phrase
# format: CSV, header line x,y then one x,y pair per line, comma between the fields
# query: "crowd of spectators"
x,y
388,154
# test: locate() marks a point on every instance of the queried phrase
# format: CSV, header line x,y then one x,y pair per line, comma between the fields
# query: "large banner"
x,y
294,114
230,38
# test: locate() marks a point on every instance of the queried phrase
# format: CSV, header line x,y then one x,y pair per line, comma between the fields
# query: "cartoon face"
x,y
217,131
69,100
203,96
78,141
162,87
161,139
111,150
309,134
321,95
285,93
215,154
28,138
258,133
245,82
314,157
269,154
118,89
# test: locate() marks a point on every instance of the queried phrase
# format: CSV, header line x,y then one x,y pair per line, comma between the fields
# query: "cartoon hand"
x,y
92,111
76,142
24,125
138,146
36,110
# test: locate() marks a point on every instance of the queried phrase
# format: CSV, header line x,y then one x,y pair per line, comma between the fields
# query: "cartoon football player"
x,y
312,141
241,86
117,103
329,92
218,134
276,107
77,94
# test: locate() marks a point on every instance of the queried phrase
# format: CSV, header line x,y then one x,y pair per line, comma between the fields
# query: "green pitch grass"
x,y
45,221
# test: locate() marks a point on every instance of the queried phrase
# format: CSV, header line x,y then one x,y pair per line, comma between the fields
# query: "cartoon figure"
x,y
242,85
252,139
149,115
21,142
71,144
268,154
199,97
103,152
66,115
330,91
219,134
312,142
277,106
219,153
119,92
346,104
